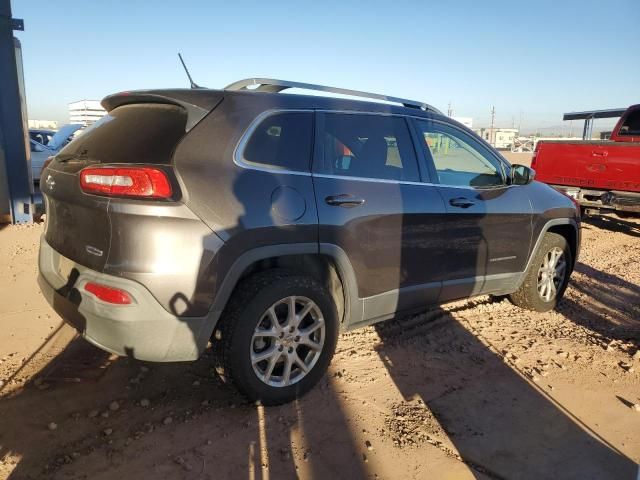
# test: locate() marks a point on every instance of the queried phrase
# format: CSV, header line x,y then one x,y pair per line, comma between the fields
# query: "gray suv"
x,y
266,223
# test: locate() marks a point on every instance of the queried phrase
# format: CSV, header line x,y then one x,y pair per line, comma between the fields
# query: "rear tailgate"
x,y
80,225
591,164
77,225
555,162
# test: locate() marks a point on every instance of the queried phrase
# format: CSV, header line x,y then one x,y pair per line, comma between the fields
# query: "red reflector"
x,y
144,182
108,294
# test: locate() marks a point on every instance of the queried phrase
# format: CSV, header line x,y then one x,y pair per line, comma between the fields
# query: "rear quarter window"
x,y
631,125
281,141
138,133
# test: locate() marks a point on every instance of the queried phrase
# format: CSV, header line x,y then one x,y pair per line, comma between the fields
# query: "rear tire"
x,y
272,356
547,277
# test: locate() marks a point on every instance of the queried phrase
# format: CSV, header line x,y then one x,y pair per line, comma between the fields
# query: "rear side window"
x,y
138,133
631,125
282,141
368,146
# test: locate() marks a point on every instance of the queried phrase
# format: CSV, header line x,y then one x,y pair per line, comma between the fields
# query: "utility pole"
x,y
493,118
449,110
520,123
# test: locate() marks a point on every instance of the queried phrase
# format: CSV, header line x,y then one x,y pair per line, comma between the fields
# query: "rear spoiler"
x,y
197,103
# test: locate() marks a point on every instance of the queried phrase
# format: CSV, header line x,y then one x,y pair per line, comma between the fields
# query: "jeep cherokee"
x,y
266,223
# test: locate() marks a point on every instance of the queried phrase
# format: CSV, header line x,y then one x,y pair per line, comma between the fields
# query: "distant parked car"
x,y
267,223
46,143
41,136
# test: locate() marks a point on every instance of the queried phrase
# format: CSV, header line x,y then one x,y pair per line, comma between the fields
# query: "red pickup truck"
x,y
597,174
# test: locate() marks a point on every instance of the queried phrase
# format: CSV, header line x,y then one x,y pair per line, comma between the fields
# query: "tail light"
x,y
140,182
108,294
534,157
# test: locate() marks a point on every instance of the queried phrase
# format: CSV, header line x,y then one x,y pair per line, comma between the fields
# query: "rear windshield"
x,y
138,133
631,125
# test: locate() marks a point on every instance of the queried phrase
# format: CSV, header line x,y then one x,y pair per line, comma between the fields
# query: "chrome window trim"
x,y
374,180
238,153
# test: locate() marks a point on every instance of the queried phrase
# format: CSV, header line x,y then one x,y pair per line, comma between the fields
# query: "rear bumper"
x,y
143,330
607,199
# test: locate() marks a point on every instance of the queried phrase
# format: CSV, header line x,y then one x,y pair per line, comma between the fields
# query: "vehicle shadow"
x,y
497,421
612,311
171,420
462,396
612,222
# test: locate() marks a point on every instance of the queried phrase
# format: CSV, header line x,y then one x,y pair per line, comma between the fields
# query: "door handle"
x,y
344,200
596,153
461,202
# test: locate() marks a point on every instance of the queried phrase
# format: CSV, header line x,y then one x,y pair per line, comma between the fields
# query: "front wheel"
x,y
547,276
277,336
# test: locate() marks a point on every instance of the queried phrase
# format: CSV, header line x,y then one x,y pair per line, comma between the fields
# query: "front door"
x,y
372,204
488,221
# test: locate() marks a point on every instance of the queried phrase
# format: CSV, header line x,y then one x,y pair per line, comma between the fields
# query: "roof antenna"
x,y
193,84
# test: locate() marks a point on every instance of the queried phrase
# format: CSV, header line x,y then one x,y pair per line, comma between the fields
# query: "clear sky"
x,y
541,58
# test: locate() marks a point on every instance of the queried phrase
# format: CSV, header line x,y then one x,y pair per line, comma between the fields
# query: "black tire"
x,y
528,296
233,337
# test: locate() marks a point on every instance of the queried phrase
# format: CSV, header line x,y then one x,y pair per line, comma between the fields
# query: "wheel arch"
x,y
566,227
325,262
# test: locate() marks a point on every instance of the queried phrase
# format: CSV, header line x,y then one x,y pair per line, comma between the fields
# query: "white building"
x,y
43,124
498,137
86,112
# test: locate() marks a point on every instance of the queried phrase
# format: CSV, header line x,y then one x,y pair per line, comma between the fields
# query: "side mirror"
x,y
522,175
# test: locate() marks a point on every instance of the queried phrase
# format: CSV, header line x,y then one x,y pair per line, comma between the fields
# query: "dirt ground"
x,y
476,389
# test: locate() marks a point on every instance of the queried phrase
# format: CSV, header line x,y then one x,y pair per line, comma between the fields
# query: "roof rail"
x,y
274,86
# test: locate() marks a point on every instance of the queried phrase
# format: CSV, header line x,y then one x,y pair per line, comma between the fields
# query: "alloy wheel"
x,y
287,341
551,274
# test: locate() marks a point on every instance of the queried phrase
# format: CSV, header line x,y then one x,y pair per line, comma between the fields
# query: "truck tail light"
x,y
108,294
138,182
534,157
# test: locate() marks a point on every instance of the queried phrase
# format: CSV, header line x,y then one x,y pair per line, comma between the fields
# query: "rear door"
x,y
372,204
488,222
